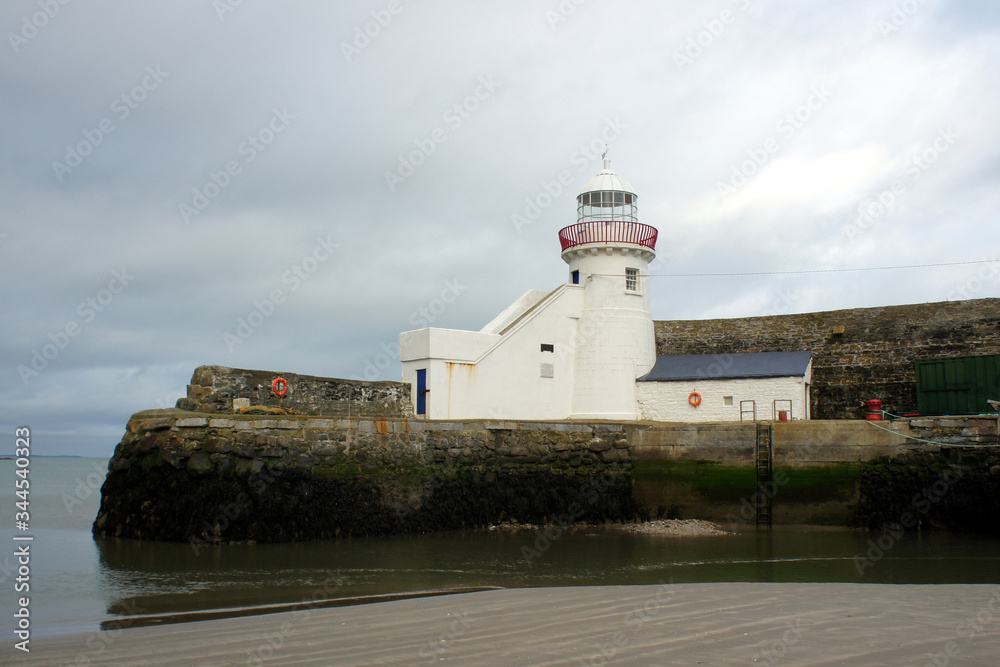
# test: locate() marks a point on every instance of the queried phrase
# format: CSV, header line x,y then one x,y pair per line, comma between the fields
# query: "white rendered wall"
x,y
615,341
668,400
503,380
514,310
454,344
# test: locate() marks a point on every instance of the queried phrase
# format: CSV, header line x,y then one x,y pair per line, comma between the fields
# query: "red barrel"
x,y
874,410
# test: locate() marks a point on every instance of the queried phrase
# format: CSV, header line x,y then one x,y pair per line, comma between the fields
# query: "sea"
x,y
79,584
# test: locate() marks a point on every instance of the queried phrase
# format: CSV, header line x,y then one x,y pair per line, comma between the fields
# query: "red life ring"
x,y
279,386
694,399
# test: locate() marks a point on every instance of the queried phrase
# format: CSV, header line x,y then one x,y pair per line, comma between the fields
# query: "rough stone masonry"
x,y
858,354
208,479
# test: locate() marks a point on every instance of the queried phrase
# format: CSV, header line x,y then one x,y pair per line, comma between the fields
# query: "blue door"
x,y
422,391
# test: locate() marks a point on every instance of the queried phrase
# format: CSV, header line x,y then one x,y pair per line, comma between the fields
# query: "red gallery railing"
x,y
608,231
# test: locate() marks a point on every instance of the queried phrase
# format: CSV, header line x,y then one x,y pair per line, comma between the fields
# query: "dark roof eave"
x,y
645,378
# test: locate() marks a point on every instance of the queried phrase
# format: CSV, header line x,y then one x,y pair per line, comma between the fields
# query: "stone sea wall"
x,y
219,478
213,389
707,471
858,354
954,488
207,479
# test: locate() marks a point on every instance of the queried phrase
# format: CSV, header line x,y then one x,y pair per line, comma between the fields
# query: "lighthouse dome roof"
x,y
607,180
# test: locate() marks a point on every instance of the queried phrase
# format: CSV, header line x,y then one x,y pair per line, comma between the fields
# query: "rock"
x,y
676,528
199,464
218,444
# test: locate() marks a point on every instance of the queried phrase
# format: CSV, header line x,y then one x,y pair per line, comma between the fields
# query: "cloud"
x,y
202,91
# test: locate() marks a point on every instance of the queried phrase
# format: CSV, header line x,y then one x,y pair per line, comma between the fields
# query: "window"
x,y
575,276
548,347
727,400
632,280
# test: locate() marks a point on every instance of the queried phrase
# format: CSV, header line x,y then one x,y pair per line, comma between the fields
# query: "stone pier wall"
x,y
220,478
822,469
213,389
207,479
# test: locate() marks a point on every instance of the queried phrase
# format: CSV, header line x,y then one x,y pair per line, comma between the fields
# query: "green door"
x,y
958,385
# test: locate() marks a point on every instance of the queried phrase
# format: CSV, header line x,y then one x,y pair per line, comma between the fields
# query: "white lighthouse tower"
x,y
572,353
586,350
608,251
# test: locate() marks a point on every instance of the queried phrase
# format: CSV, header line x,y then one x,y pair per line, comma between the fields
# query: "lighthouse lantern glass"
x,y
606,205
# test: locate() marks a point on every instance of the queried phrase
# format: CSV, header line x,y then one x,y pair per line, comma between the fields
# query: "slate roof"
x,y
728,366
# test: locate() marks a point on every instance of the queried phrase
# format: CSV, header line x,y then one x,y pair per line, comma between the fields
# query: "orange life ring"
x,y
279,386
694,399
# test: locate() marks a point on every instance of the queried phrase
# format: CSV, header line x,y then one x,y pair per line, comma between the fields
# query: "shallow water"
x,y
79,582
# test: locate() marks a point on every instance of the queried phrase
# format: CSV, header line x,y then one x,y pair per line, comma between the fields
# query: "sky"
x,y
288,186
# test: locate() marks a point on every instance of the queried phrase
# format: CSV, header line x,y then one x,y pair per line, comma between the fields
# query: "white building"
x,y
727,387
573,353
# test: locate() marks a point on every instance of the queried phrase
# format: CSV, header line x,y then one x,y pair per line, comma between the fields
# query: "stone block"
x,y
199,464
221,423
499,425
572,428
244,451
599,445
218,444
444,426
611,456
191,422
535,426
147,443
326,448
316,434
154,423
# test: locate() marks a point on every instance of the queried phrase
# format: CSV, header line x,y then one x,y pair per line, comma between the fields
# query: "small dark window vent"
x,y
548,347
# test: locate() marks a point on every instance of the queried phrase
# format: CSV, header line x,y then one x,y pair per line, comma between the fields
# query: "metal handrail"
x,y
608,231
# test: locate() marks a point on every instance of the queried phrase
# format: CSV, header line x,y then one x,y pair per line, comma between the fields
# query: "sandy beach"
x,y
684,624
